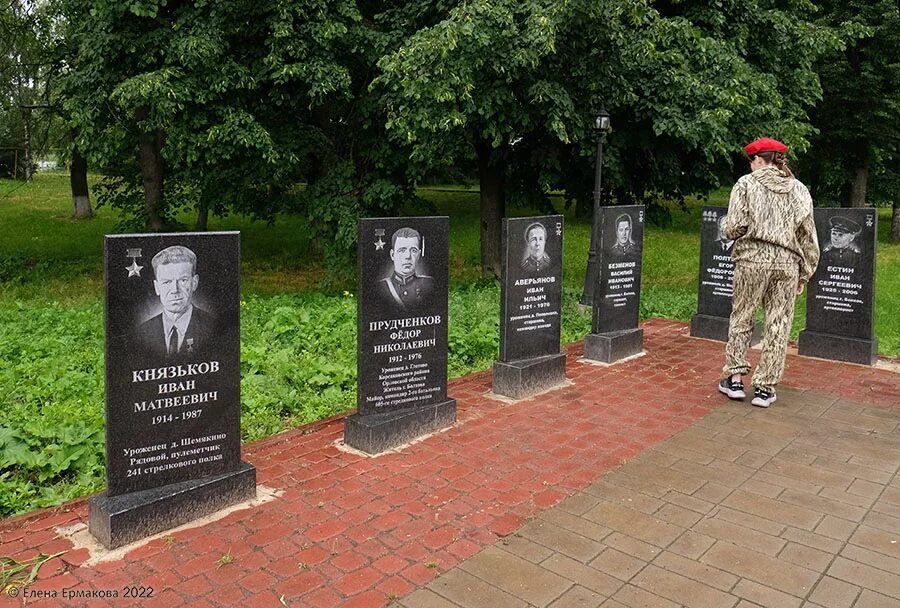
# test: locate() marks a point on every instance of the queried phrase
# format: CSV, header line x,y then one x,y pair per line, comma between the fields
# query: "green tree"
x,y
212,97
686,82
705,79
470,85
228,106
853,159
26,31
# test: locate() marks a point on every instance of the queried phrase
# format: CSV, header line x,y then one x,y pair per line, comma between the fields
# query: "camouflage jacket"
x,y
770,216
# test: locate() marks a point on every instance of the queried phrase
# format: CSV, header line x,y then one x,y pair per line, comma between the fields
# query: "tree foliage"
x,y
855,155
219,82
27,127
230,106
240,100
686,83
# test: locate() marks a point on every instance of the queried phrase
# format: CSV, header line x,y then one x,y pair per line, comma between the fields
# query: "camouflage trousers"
x,y
776,290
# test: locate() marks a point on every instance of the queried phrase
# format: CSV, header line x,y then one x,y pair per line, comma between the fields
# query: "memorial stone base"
x,y
375,433
716,328
119,520
615,345
527,377
838,348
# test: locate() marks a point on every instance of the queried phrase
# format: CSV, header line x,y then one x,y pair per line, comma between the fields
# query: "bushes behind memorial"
x,y
298,350
298,365
51,419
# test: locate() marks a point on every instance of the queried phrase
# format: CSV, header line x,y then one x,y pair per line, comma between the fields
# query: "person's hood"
x,y
772,178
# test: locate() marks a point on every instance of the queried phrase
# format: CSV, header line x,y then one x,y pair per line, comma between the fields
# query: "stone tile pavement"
x,y
797,505
636,484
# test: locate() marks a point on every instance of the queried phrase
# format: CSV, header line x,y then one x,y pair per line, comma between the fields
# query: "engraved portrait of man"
x,y
406,287
841,248
723,243
181,329
534,257
624,245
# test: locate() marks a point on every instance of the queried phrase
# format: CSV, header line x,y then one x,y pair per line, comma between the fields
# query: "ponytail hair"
x,y
778,159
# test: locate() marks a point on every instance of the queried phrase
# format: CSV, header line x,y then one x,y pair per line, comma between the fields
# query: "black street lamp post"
x,y
601,128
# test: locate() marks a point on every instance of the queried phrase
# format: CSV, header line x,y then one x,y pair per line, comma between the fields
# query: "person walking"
x,y
770,217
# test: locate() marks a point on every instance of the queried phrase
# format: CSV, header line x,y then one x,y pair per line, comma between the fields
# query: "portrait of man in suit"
x,y
623,246
723,243
182,329
406,287
535,258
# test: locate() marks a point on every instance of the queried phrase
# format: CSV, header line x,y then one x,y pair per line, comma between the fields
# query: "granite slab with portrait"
x,y
716,286
841,294
617,294
841,291
172,358
531,287
402,313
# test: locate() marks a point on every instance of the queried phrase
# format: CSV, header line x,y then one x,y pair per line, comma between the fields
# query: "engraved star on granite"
x,y
134,270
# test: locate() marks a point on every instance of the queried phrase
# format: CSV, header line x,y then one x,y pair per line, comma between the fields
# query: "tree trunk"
x,y
202,216
845,193
815,178
492,178
81,200
151,162
895,220
895,216
319,116
860,182
26,128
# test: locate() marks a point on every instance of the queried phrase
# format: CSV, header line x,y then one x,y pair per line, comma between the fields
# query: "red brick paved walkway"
x,y
353,531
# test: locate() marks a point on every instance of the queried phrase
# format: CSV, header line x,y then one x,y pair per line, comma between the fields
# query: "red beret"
x,y
764,144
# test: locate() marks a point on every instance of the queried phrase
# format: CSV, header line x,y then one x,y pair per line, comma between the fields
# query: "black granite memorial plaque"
x,y
402,332
841,298
614,329
714,292
172,383
531,300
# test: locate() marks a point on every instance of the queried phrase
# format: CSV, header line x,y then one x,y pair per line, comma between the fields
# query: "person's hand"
x,y
800,287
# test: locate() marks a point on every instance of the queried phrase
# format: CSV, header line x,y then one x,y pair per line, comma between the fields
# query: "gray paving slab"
x,y
798,505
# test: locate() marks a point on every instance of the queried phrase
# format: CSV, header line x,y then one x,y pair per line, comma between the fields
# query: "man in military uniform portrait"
x,y
624,245
406,288
841,250
723,243
181,329
535,259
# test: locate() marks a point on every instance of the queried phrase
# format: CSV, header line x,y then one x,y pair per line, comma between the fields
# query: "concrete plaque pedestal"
x,y
527,377
613,346
615,329
375,433
530,307
838,348
126,518
402,343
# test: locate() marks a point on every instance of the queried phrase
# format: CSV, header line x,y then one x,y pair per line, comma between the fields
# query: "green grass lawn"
x,y
298,354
